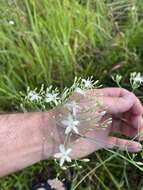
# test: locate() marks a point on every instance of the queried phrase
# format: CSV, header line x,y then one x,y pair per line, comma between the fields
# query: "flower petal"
x,y
58,155
62,160
62,148
75,129
65,122
68,130
68,159
68,150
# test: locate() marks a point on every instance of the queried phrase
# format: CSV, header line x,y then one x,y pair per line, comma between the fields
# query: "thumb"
x,y
115,105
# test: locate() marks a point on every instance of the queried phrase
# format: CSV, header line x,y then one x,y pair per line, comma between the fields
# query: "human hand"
x,y
126,112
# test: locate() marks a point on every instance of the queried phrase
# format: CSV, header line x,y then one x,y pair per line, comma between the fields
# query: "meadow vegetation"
x,y
50,42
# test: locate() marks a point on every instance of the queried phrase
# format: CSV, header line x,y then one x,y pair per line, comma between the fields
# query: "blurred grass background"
x,y
51,42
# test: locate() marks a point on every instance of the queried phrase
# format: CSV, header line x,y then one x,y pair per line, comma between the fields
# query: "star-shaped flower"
x,y
80,91
63,155
11,22
88,83
73,107
138,78
33,96
71,124
52,97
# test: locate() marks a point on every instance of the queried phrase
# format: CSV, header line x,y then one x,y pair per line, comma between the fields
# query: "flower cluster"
x,y
80,85
77,113
77,110
117,78
41,99
50,97
136,79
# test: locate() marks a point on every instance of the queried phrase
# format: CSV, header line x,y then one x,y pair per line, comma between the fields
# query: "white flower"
x,y
102,113
109,121
63,154
133,8
72,106
117,78
80,91
55,184
70,124
33,96
139,163
52,97
88,83
85,160
41,188
136,80
137,77
11,22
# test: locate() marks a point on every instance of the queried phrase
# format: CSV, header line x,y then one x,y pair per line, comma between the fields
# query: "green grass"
x,y
51,42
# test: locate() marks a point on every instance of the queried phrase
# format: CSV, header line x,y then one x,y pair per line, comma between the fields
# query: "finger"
x,y
122,98
140,132
110,92
124,129
140,135
123,144
127,130
128,127
132,120
84,146
125,101
137,108
116,105
136,121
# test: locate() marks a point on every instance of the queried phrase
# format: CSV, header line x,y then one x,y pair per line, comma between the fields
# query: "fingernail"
x,y
134,149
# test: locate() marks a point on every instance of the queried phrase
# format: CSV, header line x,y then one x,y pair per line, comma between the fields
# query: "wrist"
x,y
50,135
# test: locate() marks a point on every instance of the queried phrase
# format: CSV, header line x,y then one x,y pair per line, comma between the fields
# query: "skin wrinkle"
x,y
51,137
